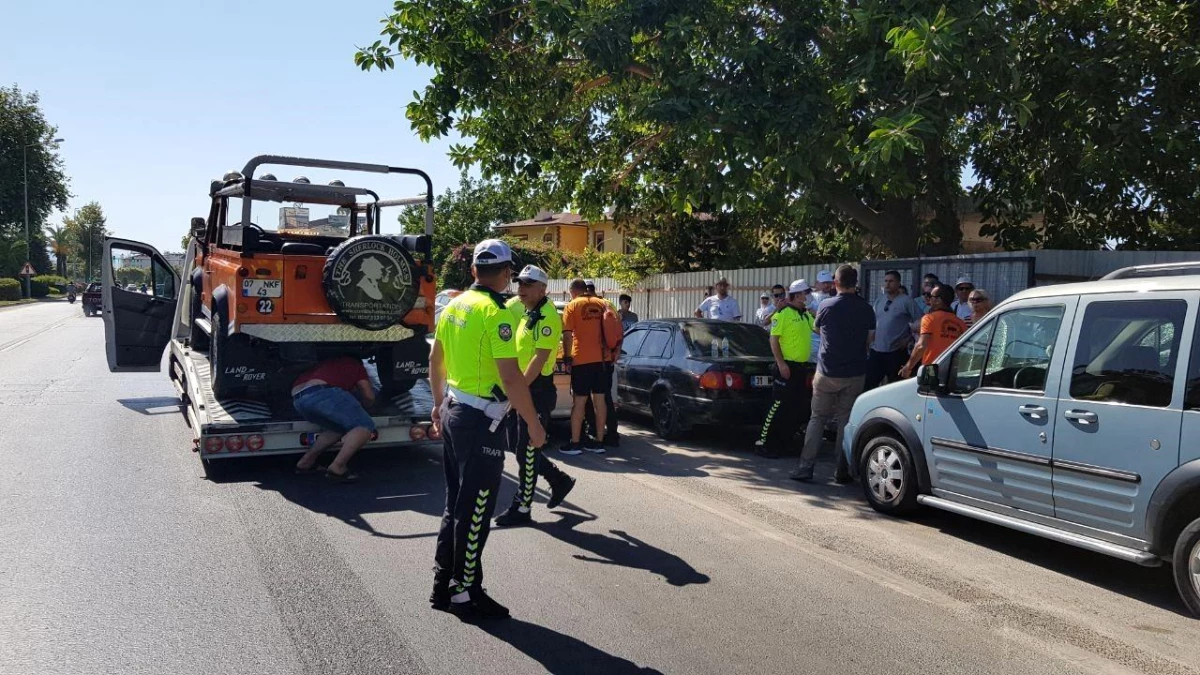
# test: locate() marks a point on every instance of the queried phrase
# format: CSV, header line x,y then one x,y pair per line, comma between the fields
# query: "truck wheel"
x,y
889,477
1186,562
219,340
216,470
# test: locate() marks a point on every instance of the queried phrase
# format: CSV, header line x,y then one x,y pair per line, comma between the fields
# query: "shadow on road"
x,y
559,653
622,550
391,482
153,405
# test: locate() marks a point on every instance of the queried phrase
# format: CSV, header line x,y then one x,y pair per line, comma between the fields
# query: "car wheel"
x,y
1186,562
667,422
215,360
889,478
198,339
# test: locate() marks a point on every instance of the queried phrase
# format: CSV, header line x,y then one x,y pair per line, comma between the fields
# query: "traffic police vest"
x,y
476,329
794,329
538,328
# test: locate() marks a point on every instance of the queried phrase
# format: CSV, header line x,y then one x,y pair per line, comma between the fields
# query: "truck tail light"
x,y
214,444
233,443
418,432
255,442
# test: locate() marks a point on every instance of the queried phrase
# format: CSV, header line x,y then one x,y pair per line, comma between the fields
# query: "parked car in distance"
x,y
1071,412
688,372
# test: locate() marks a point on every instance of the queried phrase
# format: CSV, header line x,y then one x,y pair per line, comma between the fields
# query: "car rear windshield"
x,y
743,339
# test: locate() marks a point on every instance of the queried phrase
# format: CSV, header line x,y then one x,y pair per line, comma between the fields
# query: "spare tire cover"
x,y
370,282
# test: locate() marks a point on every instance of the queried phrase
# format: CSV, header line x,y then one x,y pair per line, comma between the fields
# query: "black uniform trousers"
x,y
531,462
473,459
610,422
791,408
884,366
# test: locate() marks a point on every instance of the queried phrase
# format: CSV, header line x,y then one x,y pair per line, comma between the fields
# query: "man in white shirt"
x,y
721,306
776,299
823,291
762,315
962,291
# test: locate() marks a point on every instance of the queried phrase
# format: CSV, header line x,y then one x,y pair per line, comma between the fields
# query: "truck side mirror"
x,y
199,227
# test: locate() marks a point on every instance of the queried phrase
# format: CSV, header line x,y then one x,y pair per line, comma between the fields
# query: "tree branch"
x,y
648,145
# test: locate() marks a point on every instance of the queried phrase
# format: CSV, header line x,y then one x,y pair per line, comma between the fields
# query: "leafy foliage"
x,y
25,141
10,289
464,213
865,112
86,231
131,275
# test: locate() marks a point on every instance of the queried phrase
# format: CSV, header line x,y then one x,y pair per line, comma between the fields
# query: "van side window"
x,y
1127,352
1011,352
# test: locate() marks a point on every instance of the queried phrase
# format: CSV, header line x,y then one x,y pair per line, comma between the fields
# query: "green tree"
x,y
466,213
86,230
131,275
26,141
61,245
866,110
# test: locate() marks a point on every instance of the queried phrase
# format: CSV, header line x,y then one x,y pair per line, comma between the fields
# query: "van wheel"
x,y
667,422
889,478
1186,562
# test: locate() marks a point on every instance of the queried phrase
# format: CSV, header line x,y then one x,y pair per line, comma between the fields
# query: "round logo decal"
x,y
505,332
546,331
369,282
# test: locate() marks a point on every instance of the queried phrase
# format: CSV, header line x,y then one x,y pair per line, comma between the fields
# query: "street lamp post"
x,y
28,241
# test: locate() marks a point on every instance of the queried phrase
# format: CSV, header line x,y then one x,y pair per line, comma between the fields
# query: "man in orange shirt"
x,y
939,329
583,349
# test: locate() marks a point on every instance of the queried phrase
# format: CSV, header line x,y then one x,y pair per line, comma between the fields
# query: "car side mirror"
x,y
928,380
199,227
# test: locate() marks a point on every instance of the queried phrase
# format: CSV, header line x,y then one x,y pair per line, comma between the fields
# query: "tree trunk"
x,y
895,224
945,228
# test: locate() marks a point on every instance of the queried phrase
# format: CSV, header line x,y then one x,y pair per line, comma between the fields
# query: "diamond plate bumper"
x,y
325,333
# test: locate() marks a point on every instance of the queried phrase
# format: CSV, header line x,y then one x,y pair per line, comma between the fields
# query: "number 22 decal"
x,y
266,305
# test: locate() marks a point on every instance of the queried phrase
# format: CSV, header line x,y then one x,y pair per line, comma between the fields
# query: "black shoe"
x,y
843,478
513,517
440,597
802,475
559,490
481,607
764,451
593,446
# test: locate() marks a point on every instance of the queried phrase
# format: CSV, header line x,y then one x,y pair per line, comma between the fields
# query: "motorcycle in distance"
x,y
71,294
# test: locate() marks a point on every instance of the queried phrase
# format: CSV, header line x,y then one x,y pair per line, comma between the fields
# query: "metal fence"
x,y
1002,274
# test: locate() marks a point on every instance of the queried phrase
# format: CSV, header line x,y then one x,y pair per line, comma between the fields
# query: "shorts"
x,y
332,408
590,378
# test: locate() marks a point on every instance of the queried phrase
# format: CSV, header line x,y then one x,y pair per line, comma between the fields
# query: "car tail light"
x,y
233,443
417,432
717,380
214,444
307,439
255,442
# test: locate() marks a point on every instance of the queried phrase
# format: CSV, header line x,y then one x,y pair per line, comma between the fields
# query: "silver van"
x,y
1071,412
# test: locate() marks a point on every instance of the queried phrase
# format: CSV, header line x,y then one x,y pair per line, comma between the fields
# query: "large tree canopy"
x,y
866,109
86,231
26,140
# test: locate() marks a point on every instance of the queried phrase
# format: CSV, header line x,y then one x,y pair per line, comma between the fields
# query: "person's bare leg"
x,y
352,442
325,441
601,415
577,410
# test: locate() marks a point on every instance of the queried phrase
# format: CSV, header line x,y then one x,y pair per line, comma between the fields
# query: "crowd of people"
x,y
831,337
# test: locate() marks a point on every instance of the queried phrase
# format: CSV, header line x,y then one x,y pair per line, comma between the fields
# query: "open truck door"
x,y
137,325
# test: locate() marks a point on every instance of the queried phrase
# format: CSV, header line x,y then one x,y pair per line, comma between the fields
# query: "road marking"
x,y
13,344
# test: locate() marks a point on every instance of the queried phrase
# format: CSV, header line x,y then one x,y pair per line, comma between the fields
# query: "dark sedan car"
x,y
685,372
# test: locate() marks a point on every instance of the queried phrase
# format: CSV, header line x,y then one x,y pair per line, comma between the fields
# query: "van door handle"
x,y
1081,416
1034,411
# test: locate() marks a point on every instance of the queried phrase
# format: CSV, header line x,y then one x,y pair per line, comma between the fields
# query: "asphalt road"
x,y
117,556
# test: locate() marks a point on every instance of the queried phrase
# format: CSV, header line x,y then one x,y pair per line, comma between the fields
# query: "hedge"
x,y
52,280
10,289
38,289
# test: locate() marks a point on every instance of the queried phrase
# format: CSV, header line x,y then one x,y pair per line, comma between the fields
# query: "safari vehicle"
x,y
1071,412
254,308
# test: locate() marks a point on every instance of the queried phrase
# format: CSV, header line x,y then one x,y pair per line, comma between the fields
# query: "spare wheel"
x,y
371,282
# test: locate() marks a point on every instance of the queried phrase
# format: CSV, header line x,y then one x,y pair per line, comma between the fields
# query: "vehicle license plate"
x,y
560,368
760,381
262,288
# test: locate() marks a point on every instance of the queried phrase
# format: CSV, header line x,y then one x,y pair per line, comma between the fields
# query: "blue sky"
x,y
156,99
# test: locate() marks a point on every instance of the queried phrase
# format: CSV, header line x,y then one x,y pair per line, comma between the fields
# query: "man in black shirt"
x,y
846,324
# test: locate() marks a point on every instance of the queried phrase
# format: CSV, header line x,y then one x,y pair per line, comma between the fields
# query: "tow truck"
x,y
253,309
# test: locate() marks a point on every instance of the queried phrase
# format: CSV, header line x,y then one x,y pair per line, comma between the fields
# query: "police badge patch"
x,y
546,331
505,332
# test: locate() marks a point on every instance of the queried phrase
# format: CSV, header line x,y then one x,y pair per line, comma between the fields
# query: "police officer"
x,y
791,343
539,335
476,380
